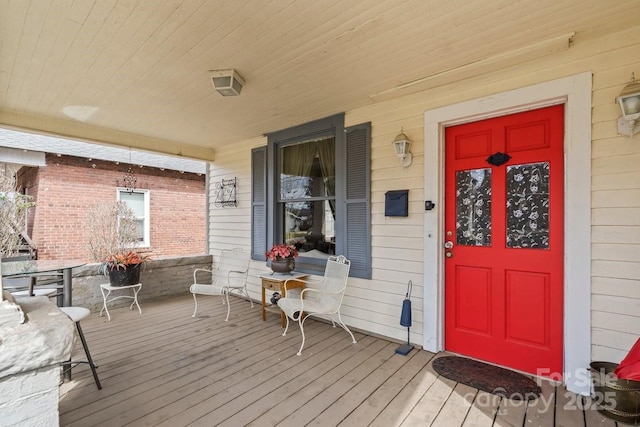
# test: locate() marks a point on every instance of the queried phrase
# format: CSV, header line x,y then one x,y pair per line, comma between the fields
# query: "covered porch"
x,y
167,368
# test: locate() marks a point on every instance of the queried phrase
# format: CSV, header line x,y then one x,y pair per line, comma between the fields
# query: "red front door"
x,y
504,240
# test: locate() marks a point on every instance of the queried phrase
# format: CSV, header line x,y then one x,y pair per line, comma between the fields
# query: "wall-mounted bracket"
x,y
225,192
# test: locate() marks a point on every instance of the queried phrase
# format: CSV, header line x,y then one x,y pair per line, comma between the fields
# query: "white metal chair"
x,y
323,300
230,275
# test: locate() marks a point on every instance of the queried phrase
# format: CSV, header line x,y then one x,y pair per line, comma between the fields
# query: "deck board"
x,y
167,368
483,411
540,411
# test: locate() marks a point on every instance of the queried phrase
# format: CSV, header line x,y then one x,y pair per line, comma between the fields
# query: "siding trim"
x,y
575,92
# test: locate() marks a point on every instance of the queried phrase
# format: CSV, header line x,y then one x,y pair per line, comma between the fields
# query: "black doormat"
x,y
489,378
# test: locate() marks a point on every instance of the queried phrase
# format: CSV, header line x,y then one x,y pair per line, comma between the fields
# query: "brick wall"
x,y
67,186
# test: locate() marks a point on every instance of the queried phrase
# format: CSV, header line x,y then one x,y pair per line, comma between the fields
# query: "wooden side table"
x,y
275,282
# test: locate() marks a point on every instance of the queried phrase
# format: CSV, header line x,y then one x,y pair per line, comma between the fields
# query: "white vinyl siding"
x,y
397,243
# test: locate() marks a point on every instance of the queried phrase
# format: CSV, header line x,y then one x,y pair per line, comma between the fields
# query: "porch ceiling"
x,y
135,72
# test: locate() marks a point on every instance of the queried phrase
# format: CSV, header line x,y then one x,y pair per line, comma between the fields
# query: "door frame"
x,y
575,93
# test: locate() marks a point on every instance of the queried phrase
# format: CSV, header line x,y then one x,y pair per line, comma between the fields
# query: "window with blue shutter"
x,y
358,199
258,202
313,192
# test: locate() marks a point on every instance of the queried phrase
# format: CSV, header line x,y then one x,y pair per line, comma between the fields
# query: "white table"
x,y
108,288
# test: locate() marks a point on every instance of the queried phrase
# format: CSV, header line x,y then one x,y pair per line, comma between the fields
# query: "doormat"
x,y
489,378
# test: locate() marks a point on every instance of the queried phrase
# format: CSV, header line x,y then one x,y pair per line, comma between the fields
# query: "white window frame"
x,y
146,241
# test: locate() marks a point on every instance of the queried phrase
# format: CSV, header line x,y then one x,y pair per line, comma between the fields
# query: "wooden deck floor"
x,y
165,368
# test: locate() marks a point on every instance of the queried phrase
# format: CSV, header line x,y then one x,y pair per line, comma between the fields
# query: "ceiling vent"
x,y
227,82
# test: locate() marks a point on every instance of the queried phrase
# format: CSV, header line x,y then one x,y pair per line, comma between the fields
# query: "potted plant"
x,y
282,258
123,268
112,237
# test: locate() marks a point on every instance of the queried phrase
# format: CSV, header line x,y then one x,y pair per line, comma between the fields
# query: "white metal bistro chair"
x,y
323,300
230,275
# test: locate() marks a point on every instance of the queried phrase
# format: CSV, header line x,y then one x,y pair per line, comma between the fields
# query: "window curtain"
x,y
327,155
297,160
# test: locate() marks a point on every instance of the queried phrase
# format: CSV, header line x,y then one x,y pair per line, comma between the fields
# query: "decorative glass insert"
x,y
528,206
473,207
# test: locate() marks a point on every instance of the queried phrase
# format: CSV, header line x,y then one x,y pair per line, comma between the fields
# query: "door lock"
x,y
448,244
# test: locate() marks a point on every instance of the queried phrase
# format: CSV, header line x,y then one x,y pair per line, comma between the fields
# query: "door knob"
x,y
448,244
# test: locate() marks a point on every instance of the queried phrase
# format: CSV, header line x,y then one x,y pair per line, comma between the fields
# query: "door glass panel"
x,y
473,207
528,206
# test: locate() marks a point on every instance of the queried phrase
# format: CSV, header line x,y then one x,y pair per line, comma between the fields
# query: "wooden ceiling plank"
x,y
29,34
309,41
100,27
114,44
175,62
209,56
77,55
55,62
10,33
80,11
133,70
45,46
267,34
137,29
170,53
300,58
142,63
169,87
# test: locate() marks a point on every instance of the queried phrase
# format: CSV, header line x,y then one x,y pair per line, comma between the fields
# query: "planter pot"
x,y
130,276
283,265
617,398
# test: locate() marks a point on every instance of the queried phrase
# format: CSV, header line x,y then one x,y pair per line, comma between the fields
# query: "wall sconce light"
x,y
629,102
401,146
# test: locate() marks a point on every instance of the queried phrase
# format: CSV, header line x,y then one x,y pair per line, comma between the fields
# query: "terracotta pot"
x,y
283,265
130,276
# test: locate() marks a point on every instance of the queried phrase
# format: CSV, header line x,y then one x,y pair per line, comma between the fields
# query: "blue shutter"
x,y
258,203
358,199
